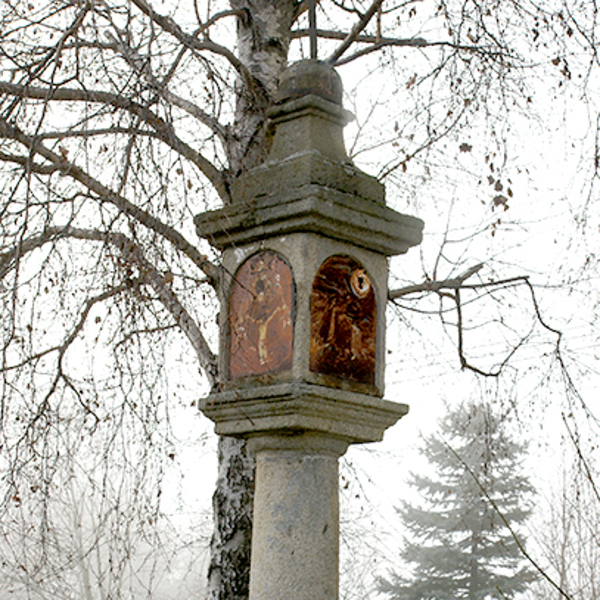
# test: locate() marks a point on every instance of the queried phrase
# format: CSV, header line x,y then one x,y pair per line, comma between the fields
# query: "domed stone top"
x,y
310,77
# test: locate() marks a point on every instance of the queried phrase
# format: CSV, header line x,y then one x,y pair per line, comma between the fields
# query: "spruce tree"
x,y
460,535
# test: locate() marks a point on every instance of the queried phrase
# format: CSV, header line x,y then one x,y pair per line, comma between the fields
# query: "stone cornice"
x,y
293,407
307,193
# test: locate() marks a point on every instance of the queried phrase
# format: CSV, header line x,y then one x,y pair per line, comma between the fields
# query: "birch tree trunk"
x,y
264,32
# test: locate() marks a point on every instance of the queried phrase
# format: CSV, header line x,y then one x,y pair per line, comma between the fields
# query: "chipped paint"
x,y
343,321
261,312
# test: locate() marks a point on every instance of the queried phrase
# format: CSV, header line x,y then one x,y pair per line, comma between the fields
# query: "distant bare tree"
x,y
569,538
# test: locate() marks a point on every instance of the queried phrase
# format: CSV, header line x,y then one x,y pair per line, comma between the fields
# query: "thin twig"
x,y
355,32
586,467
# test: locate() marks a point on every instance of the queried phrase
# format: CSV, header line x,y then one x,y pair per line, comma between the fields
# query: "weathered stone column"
x,y
295,544
303,293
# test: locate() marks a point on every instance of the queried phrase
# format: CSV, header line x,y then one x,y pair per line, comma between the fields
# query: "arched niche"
x,y
261,316
343,313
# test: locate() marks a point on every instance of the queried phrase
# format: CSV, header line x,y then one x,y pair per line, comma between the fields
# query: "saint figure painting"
x,y
261,314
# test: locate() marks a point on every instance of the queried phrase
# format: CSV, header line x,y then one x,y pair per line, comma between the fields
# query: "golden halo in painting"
x,y
360,283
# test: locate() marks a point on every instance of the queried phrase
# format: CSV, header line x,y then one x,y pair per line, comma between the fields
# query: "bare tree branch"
x,y
107,195
148,274
140,65
419,42
64,345
204,26
331,34
455,285
355,32
163,129
193,43
434,286
464,363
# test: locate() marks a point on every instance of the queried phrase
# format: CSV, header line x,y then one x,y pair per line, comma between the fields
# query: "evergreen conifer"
x,y
460,535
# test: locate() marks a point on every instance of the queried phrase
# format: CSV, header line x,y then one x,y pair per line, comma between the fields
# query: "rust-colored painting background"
x,y
261,316
343,314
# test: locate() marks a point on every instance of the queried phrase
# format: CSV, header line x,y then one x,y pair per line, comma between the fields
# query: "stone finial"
x,y
308,113
310,77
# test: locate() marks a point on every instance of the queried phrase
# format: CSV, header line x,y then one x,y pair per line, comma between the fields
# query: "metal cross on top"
x,y
312,27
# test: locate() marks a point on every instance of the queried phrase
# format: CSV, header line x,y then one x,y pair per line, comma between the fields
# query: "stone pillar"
x,y
303,291
295,545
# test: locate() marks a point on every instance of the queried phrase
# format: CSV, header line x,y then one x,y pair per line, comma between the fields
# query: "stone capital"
x,y
304,442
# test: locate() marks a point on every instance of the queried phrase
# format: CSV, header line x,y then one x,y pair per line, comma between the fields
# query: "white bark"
x,y
264,35
263,44
229,570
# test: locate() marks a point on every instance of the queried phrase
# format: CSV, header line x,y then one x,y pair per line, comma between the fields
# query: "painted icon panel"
x,y
343,313
261,313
